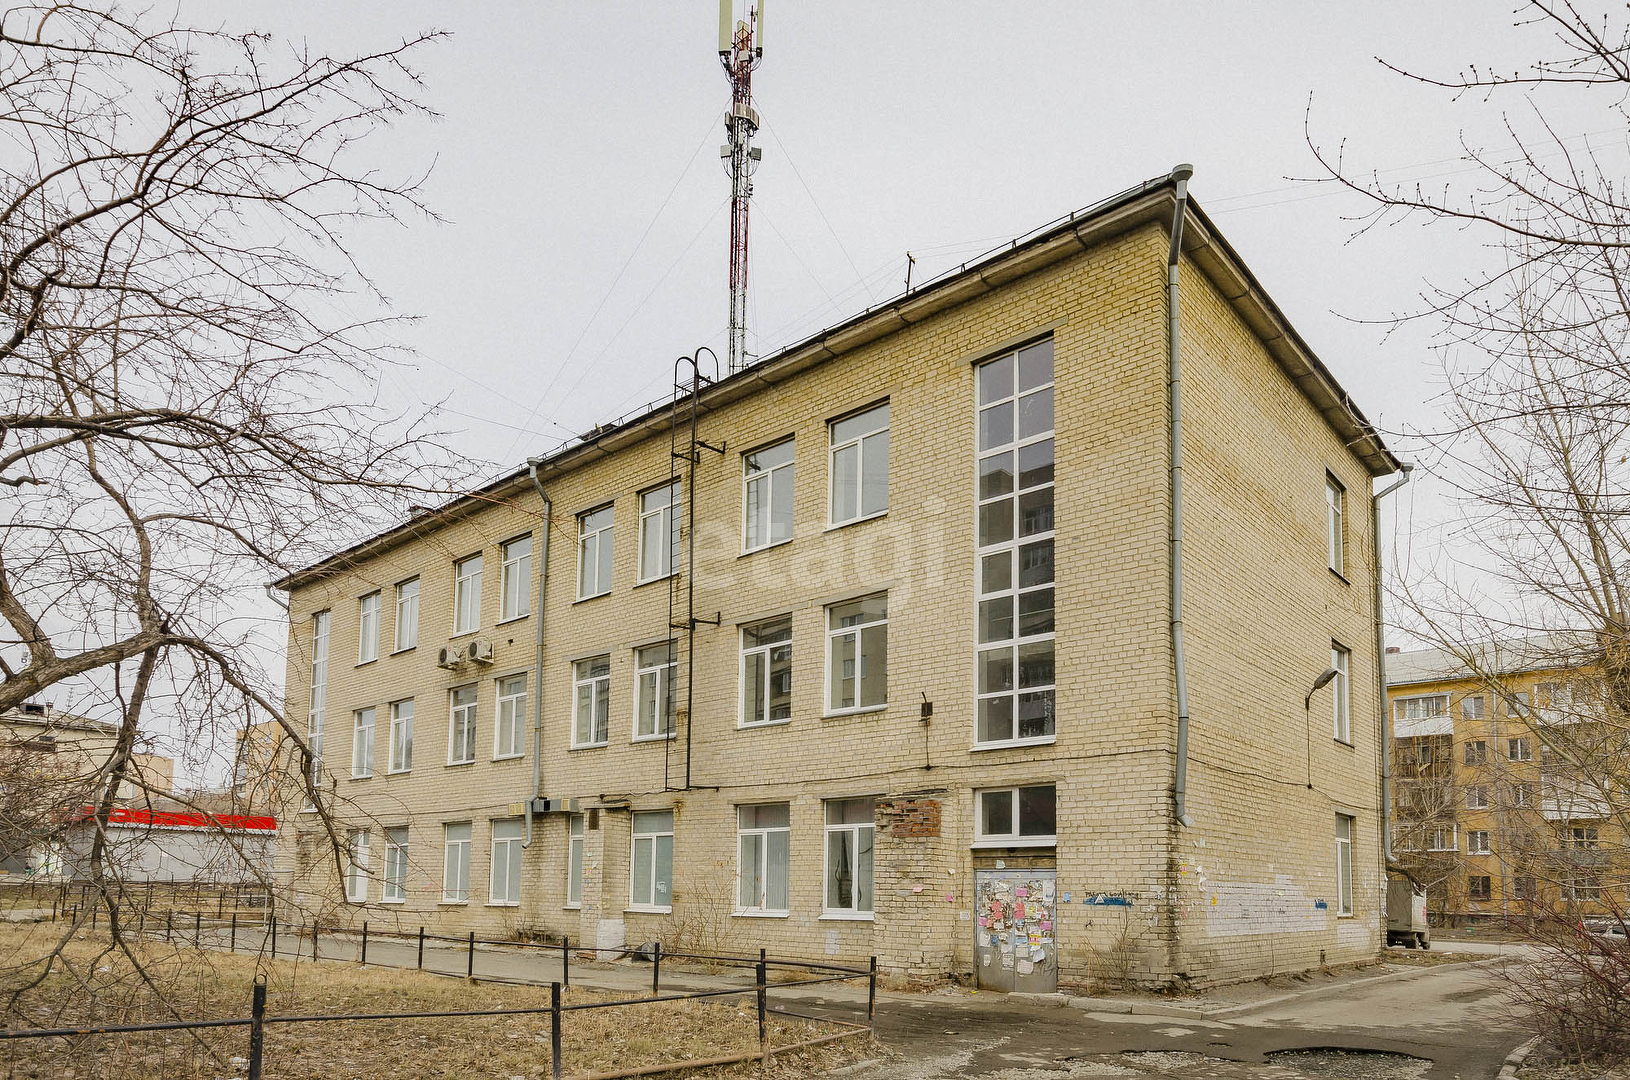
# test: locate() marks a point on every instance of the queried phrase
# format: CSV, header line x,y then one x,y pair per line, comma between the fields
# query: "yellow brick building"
x,y
1503,787
883,661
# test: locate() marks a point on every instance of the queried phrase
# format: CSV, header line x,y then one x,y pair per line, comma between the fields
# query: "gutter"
x,y
1381,662
1180,178
537,680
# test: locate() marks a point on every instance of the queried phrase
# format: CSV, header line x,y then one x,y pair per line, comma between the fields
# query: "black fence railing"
x,y
258,1019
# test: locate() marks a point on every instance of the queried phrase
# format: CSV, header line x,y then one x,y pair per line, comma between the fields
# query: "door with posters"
x,y
1014,938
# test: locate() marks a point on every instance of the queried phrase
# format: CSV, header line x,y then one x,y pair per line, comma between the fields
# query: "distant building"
x,y
1505,781
172,841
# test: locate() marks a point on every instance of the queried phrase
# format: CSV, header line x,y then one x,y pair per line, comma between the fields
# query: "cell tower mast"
x,y
741,48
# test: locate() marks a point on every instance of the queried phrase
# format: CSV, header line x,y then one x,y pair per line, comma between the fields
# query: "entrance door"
x,y
1014,946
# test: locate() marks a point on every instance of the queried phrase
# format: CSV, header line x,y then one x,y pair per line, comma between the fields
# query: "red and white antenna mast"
x,y
741,48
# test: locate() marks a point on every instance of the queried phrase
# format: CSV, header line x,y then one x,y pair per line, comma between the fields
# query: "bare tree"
x,y
188,399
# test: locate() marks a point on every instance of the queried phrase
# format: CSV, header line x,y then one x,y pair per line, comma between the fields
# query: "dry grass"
x,y
102,988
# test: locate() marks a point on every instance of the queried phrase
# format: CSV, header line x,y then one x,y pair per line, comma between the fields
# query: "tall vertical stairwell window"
x,y
659,532
319,699
1015,547
859,465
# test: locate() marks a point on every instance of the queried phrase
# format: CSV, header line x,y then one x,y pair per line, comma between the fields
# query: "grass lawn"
x,y
99,987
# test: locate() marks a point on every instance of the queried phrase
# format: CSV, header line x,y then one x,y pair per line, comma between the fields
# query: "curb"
x,y
1514,1060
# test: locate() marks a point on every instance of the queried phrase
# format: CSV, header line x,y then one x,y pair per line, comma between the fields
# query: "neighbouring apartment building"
x,y
878,657
1507,785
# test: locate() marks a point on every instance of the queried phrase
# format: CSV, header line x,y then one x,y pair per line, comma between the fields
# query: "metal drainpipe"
x,y
1381,664
1180,176
537,688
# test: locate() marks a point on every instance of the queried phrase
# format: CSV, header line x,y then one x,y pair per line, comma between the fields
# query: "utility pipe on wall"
x,y
537,679
1381,663
1180,176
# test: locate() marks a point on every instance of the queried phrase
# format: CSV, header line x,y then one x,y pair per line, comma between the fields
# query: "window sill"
x,y
355,902
1348,743
459,764
761,914
1008,744
512,619
509,757
655,738
1348,915
764,547
594,596
571,907
642,582
641,910
452,903
463,633
365,663
1016,842
404,649
401,901
308,810
588,746
847,916
856,521
763,724
365,776
399,772
1338,575
838,714
502,903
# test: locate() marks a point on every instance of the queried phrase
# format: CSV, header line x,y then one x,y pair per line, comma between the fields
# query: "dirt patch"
x,y
98,987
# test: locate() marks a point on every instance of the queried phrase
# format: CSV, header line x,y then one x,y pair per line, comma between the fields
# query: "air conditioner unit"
x,y
479,650
449,658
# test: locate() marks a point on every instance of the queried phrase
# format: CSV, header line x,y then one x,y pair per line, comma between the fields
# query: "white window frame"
x,y
506,856
760,836
368,609
1345,825
576,830
407,615
317,715
856,828
762,653
1335,513
653,835
662,518
467,594
1454,838
1341,693
767,482
866,444
461,723
1519,748
1016,838
594,548
362,742
1404,708
514,579
455,865
511,711
1477,797
599,698
393,889
1477,842
356,867
661,683
1487,894
1524,795
401,737
832,637
1481,710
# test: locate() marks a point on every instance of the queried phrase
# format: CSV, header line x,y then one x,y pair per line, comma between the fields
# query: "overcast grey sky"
x,y
585,236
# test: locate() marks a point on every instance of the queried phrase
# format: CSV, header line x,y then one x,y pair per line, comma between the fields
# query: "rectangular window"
x,y
455,869
1344,864
1430,707
1479,887
362,744
319,702
1522,795
591,701
467,595
1477,797
407,615
766,671
401,748
659,532
858,461
504,884
1585,836
574,861
1522,888
1477,752
510,726
396,865
356,870
1014,537
1519,749
594,553
1477,842
1444,838
461,725
1517,704
1582,888
515,578
1017,817
368,628
857,654
650,877
764,849
1335,505
1341,695
1474,707
766,496
654,670
849,834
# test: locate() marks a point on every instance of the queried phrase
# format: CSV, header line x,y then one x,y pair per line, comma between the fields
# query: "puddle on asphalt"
x,y
1353,1064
